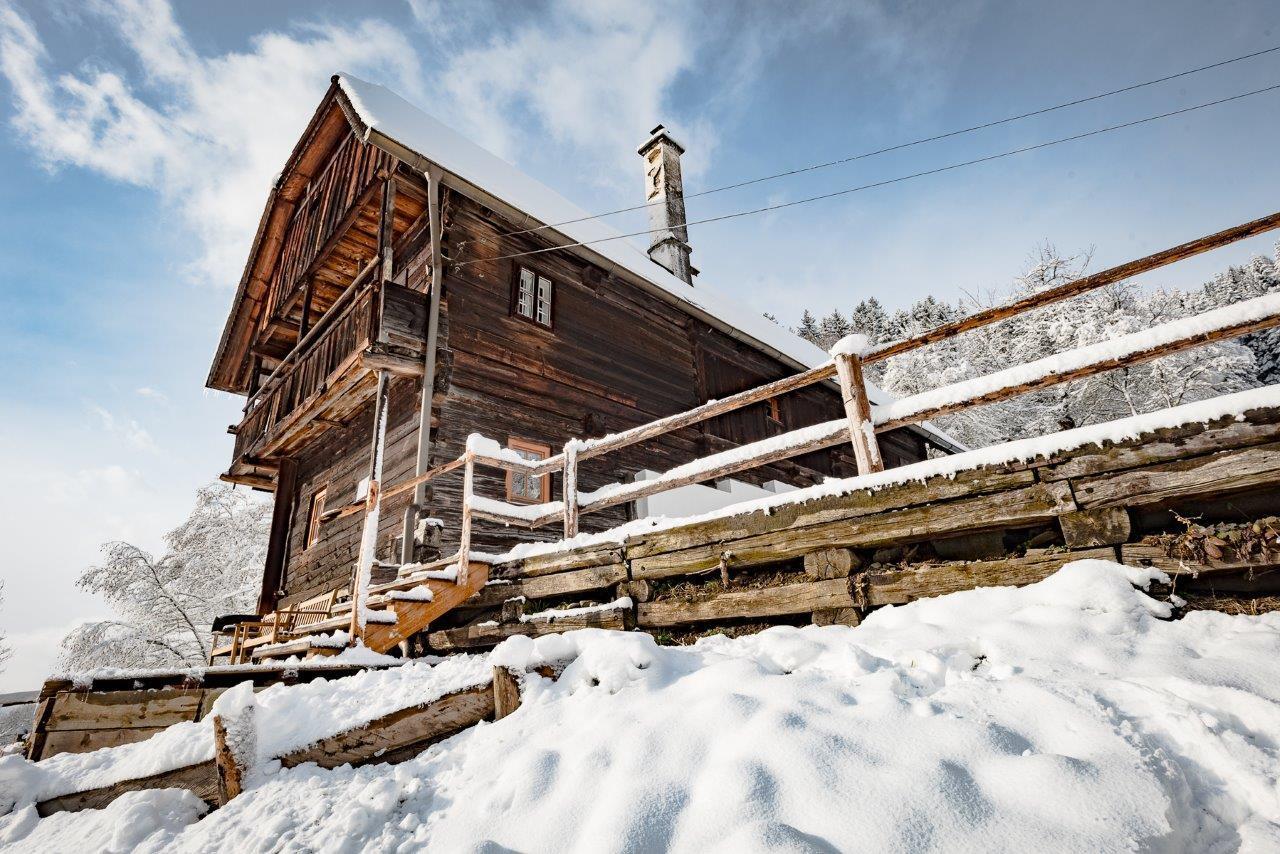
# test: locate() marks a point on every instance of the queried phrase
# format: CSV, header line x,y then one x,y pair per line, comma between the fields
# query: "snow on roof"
x,y
387,113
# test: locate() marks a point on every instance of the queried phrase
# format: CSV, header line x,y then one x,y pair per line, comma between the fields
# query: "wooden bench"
x,y
238,642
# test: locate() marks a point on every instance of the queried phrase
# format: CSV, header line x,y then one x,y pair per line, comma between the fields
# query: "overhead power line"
x,y
900,146
952,166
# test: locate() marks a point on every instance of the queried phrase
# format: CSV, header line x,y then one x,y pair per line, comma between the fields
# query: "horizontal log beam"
x,y
897,586
801,598
492,633
1033,504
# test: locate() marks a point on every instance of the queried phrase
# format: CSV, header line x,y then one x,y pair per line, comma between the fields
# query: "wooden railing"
x,y
329,352
347,182
861,422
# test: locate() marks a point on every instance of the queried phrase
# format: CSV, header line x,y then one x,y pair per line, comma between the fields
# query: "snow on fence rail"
x,y
861,421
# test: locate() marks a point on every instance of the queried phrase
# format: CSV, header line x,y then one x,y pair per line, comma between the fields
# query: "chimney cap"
x,y
655,136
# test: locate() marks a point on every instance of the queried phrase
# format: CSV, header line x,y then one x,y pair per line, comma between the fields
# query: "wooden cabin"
x,y
392,255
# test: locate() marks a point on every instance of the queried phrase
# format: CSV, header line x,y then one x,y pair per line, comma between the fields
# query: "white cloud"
x,y
206,133
152,394
127,428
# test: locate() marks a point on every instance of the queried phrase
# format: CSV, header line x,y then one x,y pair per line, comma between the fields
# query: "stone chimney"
x,y
664,193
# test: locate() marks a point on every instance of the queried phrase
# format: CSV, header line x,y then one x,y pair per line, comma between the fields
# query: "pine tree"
x,y
808,329
870,319
832,328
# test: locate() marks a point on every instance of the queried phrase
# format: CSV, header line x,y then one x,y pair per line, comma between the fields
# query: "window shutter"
x,y
544,301
525,296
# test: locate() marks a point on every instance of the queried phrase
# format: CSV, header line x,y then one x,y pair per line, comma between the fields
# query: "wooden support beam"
x,y
399,735
308,293
428,367
857,409
201,779
386,229
278,540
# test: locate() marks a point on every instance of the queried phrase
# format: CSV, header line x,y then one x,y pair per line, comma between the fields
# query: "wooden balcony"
x,y
329,376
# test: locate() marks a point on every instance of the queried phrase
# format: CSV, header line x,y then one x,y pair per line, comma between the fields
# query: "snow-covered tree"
x,y
1101,315
5,650
808,328
165,605
870,319
831,329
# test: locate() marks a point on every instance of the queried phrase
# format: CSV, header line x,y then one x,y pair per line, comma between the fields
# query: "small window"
x,y
533,296
521,488
775,410
313,518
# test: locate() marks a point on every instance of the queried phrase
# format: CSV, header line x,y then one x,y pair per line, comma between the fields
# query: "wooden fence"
x,y
861,422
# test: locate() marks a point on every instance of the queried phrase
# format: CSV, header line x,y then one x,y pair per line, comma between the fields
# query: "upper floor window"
x,y
533,296
522,488
313,517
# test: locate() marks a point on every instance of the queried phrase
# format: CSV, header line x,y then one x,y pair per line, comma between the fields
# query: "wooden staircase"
x,y
405,606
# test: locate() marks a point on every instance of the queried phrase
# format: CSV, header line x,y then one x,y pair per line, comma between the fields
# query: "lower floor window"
x,y
523,488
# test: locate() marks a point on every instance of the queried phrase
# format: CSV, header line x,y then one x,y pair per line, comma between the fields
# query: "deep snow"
x,y
1066,715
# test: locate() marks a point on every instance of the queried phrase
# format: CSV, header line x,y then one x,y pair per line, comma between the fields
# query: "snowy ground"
x,y
1067,715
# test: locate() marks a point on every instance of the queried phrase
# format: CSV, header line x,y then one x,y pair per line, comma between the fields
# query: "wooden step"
x,y
413,617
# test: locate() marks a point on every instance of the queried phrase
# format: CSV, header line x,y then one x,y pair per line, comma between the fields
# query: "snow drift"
x,y
1066,715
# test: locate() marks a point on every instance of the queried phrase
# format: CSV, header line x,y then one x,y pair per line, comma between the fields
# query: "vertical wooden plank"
x,y
372,509
857,408
506,692
281,514
464,535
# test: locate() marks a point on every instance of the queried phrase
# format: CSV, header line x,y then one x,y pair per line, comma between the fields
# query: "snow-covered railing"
x,y
861,421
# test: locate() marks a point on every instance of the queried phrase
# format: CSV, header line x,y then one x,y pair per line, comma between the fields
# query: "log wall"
x,y
832,559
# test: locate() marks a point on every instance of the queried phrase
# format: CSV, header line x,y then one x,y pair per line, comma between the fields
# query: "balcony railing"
x,y
328,355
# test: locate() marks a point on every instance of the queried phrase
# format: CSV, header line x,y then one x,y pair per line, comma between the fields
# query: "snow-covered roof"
x,y
386,113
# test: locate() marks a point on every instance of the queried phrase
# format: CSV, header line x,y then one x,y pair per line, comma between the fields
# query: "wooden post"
x,y
571,488
386,228
857,408
506,692
372,509
304,325
230,774
464,534
278,541
429,365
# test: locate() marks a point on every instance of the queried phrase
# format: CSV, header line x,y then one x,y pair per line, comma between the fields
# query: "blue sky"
x,y
138,139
